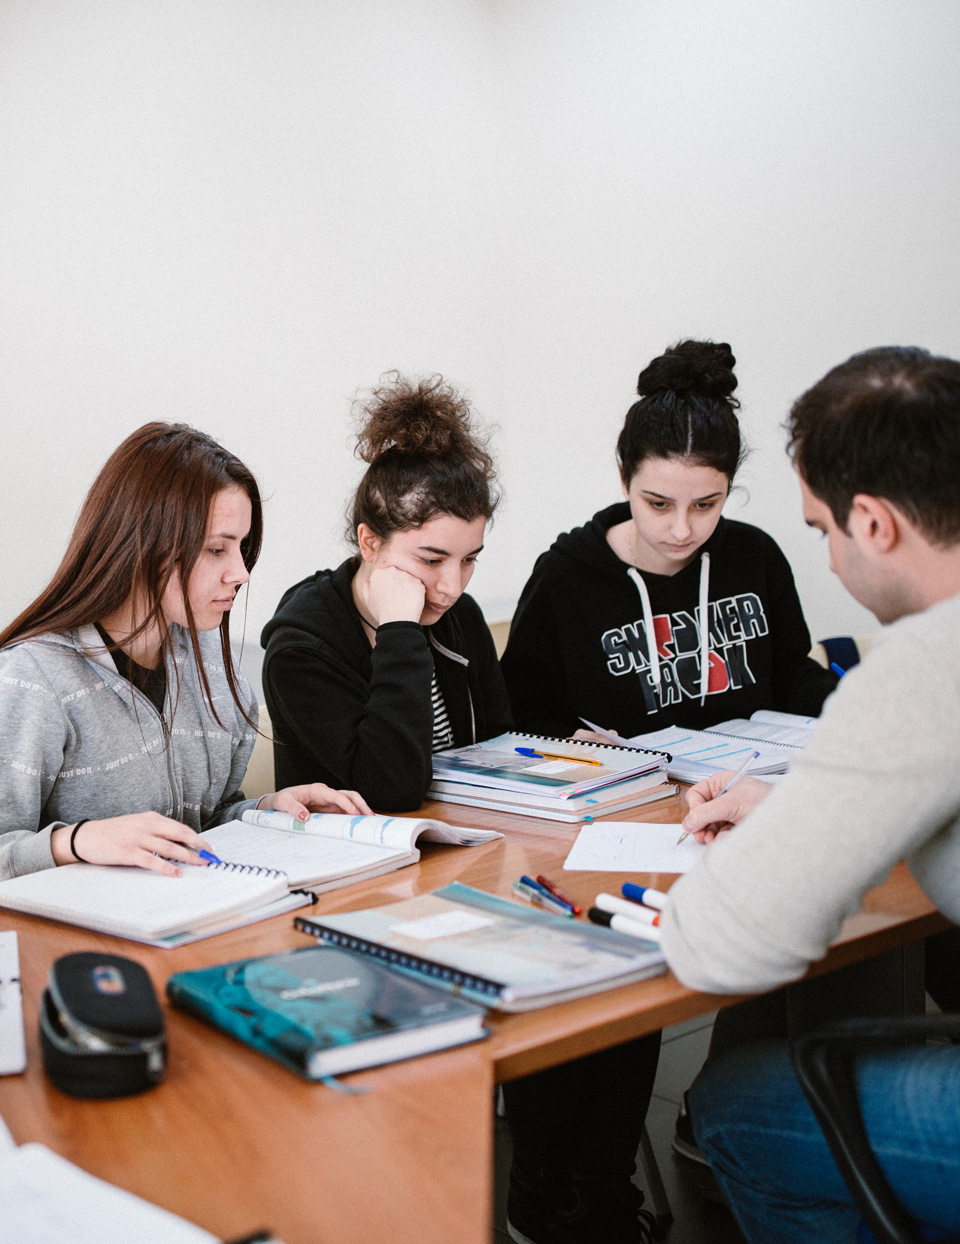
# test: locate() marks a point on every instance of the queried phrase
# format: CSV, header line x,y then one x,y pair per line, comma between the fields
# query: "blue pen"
x,y
534,894
574,760
836,669
643,894
209,857
535,885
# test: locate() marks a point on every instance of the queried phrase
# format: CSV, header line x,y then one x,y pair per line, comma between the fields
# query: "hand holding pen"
x,y
714,808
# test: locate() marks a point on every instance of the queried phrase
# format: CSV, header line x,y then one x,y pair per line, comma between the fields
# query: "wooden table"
x,y
232,1141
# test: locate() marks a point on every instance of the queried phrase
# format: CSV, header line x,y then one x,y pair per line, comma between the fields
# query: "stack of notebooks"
x,y
695,754
559,779
265,860
407,978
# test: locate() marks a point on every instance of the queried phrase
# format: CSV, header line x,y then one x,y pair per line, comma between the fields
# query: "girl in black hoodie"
x,y
369,669
372,667
717,595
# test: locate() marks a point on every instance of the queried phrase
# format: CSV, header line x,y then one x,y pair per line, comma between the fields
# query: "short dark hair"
x,y
425,457
885,423
685,410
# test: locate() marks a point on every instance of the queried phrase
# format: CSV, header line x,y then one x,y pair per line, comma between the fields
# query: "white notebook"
x,y
148,907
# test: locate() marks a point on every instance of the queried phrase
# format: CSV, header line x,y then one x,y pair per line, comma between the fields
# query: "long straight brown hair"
x,y
144,518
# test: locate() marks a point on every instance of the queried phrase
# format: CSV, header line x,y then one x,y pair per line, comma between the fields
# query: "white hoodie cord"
x,y
652,654
703,618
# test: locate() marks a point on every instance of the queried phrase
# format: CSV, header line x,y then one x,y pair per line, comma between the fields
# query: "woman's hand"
x,y
591,736
142,839
390,594
711,814
300,801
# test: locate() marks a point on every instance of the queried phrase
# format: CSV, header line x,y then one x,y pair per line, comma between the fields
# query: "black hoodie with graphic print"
x,y
578,644
360,717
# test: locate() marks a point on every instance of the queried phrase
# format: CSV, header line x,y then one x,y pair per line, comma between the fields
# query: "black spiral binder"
x,y
400,959
253,870
613,747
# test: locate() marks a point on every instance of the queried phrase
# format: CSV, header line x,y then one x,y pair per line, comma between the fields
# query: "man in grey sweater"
x,y
877,447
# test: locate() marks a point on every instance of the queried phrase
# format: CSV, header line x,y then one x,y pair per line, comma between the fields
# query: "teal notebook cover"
x,y
324,1011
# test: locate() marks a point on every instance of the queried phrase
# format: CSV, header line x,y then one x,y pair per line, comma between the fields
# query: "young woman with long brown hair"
x,y
127,726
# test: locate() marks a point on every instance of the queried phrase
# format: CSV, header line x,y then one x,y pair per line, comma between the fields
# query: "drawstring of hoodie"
x,y
703,619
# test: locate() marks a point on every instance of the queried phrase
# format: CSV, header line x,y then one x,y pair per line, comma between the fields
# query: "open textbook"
x,y
264,859
329,850
695,754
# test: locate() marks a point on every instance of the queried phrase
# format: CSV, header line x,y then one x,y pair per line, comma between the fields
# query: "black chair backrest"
x,y
824,1065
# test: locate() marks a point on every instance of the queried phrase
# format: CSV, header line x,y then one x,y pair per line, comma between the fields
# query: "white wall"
x,y
237,213
782,176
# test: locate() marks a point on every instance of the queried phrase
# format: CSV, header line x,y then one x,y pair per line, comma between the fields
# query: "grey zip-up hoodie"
x,y
78,740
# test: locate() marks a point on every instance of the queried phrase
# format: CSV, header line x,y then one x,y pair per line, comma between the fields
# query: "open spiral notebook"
x,y
695,754
265,858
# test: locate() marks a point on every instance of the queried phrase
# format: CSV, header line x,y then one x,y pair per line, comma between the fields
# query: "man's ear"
x,y
369,543
874,523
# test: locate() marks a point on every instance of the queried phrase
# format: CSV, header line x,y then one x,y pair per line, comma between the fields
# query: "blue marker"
x,y
535,885
209,857
836,669
643,894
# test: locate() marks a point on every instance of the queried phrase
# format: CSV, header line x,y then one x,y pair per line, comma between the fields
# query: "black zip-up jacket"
x,y
361,718
578,643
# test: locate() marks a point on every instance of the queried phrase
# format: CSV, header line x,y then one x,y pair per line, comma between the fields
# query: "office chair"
x,y
823,1063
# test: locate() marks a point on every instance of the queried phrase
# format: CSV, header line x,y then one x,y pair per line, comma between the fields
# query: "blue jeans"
x,y
754,1127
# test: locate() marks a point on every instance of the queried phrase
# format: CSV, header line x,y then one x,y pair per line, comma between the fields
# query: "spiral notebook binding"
x,y
253,869
400,959
613,747
745,738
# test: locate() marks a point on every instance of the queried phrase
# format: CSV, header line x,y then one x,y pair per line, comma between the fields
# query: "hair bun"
x,y
415,419
701,367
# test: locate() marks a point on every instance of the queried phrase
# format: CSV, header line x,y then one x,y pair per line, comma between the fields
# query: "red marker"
x,y
558,893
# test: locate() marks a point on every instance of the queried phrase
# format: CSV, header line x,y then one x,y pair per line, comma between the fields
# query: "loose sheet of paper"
x,y
47,1200
632,847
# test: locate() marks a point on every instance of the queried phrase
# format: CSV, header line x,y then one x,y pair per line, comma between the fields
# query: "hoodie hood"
x,y
587,547
579,643
317,607
320,609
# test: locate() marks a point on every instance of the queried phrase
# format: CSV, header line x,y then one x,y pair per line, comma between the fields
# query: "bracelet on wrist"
x,y
73,849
